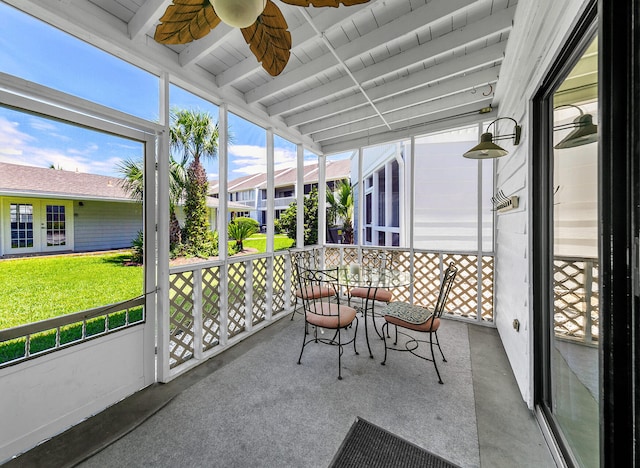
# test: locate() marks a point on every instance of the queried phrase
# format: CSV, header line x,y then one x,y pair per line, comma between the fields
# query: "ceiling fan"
x,y
261,22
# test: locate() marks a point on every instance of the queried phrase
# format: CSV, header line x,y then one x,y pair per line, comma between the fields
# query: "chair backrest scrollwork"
x,y
445,288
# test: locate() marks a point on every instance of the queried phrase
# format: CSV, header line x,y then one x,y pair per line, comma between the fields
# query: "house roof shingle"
x,y
336,170
32,181
49,183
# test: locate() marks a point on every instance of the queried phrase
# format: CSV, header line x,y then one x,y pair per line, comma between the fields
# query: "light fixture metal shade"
x,y
486,149
585,132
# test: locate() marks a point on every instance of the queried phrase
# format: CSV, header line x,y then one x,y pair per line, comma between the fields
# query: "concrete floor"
x,y
241,410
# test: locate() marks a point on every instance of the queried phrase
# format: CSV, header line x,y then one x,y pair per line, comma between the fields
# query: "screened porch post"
x,y
223,138
402,218
270,190
161,231
359,227
322,199
480,243
223,245
300,197
411,208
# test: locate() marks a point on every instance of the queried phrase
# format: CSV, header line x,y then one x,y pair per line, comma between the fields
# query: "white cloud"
x,y
12,140
251,159
17,147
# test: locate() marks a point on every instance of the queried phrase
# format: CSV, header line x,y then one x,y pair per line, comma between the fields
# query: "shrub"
x,y
137,249
245,220
239,231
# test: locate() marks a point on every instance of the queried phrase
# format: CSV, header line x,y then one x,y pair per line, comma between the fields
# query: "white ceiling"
x,y
378,71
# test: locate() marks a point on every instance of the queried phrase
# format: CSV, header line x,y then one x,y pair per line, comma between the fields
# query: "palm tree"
x,y
239,232
133,183
195,135
342,204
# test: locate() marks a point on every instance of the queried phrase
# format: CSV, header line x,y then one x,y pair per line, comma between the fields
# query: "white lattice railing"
x,y
207,314
471,296
576,296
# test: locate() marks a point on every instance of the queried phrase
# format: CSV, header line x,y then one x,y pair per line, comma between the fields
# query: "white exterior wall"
x,y
541,27
46,396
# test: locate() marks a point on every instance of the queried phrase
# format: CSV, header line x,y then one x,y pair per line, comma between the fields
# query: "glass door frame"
x,y
541,197
619,199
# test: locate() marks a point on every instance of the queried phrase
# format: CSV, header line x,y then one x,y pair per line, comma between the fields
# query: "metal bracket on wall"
x,y
502,203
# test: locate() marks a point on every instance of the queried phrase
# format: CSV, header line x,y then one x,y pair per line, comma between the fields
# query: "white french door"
x,y
34,226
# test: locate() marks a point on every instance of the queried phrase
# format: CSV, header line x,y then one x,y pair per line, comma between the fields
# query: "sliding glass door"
x,y
566,182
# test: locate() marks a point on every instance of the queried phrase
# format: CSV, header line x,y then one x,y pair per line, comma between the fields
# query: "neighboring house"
x,y
48,210
251,191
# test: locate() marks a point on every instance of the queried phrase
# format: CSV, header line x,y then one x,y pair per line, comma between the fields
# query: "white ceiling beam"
x,y
414,21
329,19
398,118
458,117
410,23
411,100
490,26
454,66
146,17
199,49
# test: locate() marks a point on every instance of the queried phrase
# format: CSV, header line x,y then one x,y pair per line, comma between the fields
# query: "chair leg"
x,y
366,328
373,318
339,355
355,333
438,343
304,338
384,337
433,359
295,308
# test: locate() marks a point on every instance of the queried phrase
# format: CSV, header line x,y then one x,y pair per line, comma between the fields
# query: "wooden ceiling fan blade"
x,y
324,3
185,21
269,39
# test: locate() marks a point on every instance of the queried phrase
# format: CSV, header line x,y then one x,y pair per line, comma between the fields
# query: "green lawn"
x,y
40,288
259,242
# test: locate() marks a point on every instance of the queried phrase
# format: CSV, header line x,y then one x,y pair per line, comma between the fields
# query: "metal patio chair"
x,y
418,319
369,296
301,260
326,313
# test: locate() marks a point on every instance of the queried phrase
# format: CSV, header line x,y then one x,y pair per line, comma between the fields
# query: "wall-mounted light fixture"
x,y
487,149
584,130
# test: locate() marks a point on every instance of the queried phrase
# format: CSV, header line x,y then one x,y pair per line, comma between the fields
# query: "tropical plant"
x,y
251,221
239,231
195,135
288,222
137,248
341,202
133,183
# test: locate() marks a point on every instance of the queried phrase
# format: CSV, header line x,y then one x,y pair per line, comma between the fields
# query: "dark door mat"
x,y
370,446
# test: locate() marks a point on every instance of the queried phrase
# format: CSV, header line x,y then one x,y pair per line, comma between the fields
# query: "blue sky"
x,y
37,52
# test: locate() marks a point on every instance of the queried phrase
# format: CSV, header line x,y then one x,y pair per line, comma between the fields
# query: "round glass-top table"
x,y
363,277
355,276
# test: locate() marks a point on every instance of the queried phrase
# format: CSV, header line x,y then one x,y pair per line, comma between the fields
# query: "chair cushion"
x,y
410,316
422,327
315,292
327,315
383,295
